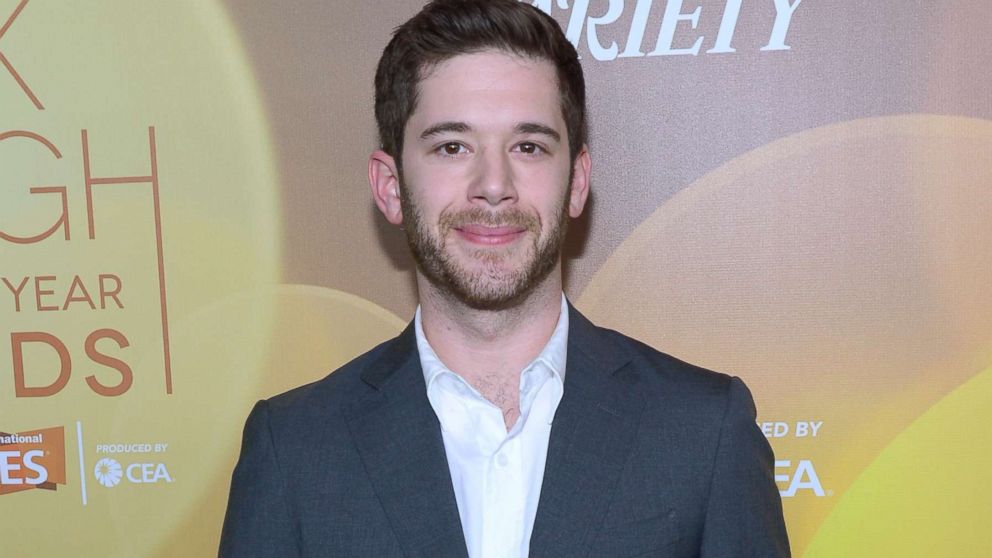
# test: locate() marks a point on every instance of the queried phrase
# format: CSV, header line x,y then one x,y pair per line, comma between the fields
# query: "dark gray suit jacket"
x,y
649,456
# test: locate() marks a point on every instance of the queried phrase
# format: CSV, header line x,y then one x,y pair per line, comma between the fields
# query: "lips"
x,y
490,236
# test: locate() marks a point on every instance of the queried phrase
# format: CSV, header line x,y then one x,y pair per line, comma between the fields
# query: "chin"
x,y
492,289
492,300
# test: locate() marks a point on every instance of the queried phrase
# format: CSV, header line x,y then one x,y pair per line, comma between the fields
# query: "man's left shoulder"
x,y
696,454
660,374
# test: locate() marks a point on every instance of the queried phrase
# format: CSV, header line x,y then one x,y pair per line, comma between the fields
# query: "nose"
x,y
493,182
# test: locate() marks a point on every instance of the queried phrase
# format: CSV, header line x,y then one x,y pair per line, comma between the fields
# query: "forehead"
x,y
489,87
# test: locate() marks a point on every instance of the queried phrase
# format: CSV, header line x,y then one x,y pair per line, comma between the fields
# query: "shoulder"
x,y
338,391
674,391
687,406
658,374
664,367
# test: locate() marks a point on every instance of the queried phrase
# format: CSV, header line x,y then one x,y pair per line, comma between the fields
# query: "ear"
x,y
385,183
579,192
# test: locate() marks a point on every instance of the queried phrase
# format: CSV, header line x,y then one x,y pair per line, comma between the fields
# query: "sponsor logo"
x,y
796,477
32,459
803,477
669,21
110,472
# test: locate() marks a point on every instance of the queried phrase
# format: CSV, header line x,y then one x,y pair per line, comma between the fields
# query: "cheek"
x,y
440,192
429,208
550,189
438,182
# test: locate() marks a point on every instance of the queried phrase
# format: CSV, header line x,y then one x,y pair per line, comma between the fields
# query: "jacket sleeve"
x,y
744,511
258,520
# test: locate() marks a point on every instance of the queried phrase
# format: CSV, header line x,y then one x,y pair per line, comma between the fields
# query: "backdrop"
x,y
797,192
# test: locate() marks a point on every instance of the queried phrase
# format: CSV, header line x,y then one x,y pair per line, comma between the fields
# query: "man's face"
x,y
485,190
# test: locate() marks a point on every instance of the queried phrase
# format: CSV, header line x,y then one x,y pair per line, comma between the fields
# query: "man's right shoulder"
x,y
338,390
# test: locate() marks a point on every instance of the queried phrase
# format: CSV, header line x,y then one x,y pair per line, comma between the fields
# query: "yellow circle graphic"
x,y
138,193
927,494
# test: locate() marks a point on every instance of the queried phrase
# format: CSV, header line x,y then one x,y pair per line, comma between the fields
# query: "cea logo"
x,y
109,472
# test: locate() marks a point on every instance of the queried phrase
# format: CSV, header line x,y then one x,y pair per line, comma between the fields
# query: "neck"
x,y
490,345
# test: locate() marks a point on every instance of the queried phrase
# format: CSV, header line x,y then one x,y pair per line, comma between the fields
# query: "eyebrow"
x,y
445,127
536,128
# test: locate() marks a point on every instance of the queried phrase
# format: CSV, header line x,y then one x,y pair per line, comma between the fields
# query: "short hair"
x,y
445,29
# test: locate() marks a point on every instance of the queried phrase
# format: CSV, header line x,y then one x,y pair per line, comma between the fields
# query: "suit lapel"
x,y
592,434
399,439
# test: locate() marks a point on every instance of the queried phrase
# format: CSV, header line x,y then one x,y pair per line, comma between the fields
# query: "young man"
x,y
500,423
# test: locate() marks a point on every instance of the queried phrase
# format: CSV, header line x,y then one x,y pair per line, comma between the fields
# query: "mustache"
x,y
478,216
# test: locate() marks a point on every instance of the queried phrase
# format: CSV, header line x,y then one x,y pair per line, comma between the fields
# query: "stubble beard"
x,y
492,285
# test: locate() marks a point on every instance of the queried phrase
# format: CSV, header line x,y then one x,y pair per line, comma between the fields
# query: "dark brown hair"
x,y
448,28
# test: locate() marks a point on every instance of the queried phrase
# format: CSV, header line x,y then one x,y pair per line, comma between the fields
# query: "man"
x,y
500,423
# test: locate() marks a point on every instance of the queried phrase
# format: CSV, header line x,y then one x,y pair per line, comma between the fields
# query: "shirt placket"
x,y
504,501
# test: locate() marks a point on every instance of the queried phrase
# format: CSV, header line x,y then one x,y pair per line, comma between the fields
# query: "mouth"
x,y
490,236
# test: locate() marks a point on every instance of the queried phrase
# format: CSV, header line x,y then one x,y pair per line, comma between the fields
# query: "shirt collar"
x,y
553,355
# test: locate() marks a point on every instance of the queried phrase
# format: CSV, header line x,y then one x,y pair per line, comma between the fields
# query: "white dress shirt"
x,y
496,474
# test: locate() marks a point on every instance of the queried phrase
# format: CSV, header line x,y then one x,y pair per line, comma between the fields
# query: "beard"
x,y
491,284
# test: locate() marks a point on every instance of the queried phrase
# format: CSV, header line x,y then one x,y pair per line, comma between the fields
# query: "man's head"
x,y
448,28
483,157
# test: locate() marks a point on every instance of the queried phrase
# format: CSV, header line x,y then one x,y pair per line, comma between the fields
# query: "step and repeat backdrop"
x,y
798,192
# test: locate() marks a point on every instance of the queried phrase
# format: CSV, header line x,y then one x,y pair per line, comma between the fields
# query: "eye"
x,y
451,149
530,148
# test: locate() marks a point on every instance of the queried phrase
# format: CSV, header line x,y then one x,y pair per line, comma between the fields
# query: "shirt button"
x,y
502,460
